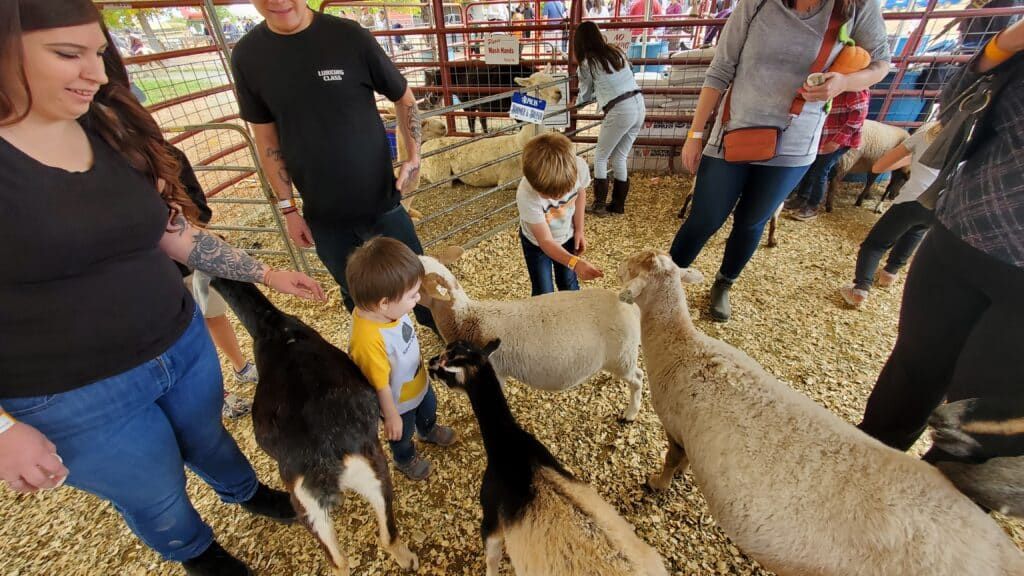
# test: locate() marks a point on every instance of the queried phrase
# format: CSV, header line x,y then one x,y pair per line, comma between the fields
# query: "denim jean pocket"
x,y
21,407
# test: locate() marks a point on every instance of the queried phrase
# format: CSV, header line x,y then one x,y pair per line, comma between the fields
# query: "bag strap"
x,y
828,42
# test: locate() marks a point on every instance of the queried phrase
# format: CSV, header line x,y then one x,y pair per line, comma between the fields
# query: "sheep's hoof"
x,y
656,484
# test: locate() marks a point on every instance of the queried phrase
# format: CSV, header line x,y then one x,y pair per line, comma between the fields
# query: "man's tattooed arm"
x,y
216,257
413,124
277,156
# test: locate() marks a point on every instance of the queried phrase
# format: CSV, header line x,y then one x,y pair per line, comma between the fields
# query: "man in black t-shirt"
x,y
306,84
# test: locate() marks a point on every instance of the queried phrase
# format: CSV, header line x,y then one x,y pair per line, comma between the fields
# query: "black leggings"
x,y
961,335
901,228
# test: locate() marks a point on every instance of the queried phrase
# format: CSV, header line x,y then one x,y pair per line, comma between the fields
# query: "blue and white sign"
x,y
527,108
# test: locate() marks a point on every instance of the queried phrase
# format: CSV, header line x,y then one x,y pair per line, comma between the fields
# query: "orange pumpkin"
x,y
851,59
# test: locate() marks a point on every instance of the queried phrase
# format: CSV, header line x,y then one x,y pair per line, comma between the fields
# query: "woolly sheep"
x,y
876,139
797,488
440,166
551,523
603,334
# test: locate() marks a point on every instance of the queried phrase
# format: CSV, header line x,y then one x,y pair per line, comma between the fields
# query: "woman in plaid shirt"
x,y
840,133
963,305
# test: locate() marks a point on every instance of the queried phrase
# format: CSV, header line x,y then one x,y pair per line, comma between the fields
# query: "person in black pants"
x,y
962,315
306,84
904,225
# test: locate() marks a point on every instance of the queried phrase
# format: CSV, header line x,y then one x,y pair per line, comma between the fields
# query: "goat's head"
x,y
552,94
460,363
640,268
438,281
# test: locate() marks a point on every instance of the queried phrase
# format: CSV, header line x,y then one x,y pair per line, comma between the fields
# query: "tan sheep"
x,y
441,166
605,334
876,139
793,485
433,128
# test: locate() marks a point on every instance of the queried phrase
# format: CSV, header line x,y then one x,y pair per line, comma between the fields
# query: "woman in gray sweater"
x,y
765,54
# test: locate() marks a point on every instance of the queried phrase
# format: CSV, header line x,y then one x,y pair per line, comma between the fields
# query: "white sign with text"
x,y
620,37
501,49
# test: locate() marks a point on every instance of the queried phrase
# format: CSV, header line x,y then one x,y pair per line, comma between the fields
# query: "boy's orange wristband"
x,y
572,262
995,53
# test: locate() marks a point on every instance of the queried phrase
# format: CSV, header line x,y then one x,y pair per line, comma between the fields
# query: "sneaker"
x,y
235,406
885,278
853,296
441,435
415,469
794,203
247,375
270,503
215,561
805,213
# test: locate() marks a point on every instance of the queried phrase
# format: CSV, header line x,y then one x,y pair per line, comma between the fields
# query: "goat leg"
x,y
316,517
368,476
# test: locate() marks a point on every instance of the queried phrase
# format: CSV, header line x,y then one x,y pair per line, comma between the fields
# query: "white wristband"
x,y
289,203
6,422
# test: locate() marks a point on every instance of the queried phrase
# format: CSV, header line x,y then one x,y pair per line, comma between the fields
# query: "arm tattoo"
x,y
277,155
177,223
217,258
413,124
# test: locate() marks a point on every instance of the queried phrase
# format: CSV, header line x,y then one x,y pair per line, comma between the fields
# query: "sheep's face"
x,y
638,269
438,281
552,94
460,362
434,128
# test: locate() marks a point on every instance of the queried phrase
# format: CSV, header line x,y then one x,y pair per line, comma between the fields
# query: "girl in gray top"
x,y
765,54
605,74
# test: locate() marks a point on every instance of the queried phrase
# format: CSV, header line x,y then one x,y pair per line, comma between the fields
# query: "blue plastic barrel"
x,y
654,50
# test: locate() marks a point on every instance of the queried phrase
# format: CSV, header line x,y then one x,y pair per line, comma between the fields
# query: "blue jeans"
x,y
127,439
901,228
813,186
750,192
335,243
540,268
422,418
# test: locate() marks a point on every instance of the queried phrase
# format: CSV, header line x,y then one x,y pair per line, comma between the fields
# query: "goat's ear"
x,y
435,287
450,254
491,346
549,68
632,289
523,81
691,276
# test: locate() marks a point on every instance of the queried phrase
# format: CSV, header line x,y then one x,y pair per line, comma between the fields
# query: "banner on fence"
x,y
501,49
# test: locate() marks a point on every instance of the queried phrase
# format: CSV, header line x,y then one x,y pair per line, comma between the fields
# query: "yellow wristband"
x,y
695,135
995,53
573,262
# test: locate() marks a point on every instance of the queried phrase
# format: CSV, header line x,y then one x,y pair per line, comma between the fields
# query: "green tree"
x,y
126,18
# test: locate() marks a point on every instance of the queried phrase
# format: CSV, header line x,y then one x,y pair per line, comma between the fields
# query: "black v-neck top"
x,y
85,290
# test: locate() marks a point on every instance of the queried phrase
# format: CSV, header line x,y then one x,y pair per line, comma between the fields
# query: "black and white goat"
x,y
317,416
551,523
979,446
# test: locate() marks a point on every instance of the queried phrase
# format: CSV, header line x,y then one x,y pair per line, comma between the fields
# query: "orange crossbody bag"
x,y
760,143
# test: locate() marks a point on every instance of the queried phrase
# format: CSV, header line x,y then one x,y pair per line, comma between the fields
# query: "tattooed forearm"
x,y
218,258
277,155
414,125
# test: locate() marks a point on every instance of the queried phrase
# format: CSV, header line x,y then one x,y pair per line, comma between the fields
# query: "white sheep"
x,y
876,139
536,350
796,487
440,166
551,523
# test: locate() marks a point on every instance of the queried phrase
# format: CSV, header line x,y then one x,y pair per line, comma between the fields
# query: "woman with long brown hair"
x,y
605,75
767,129
108,378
